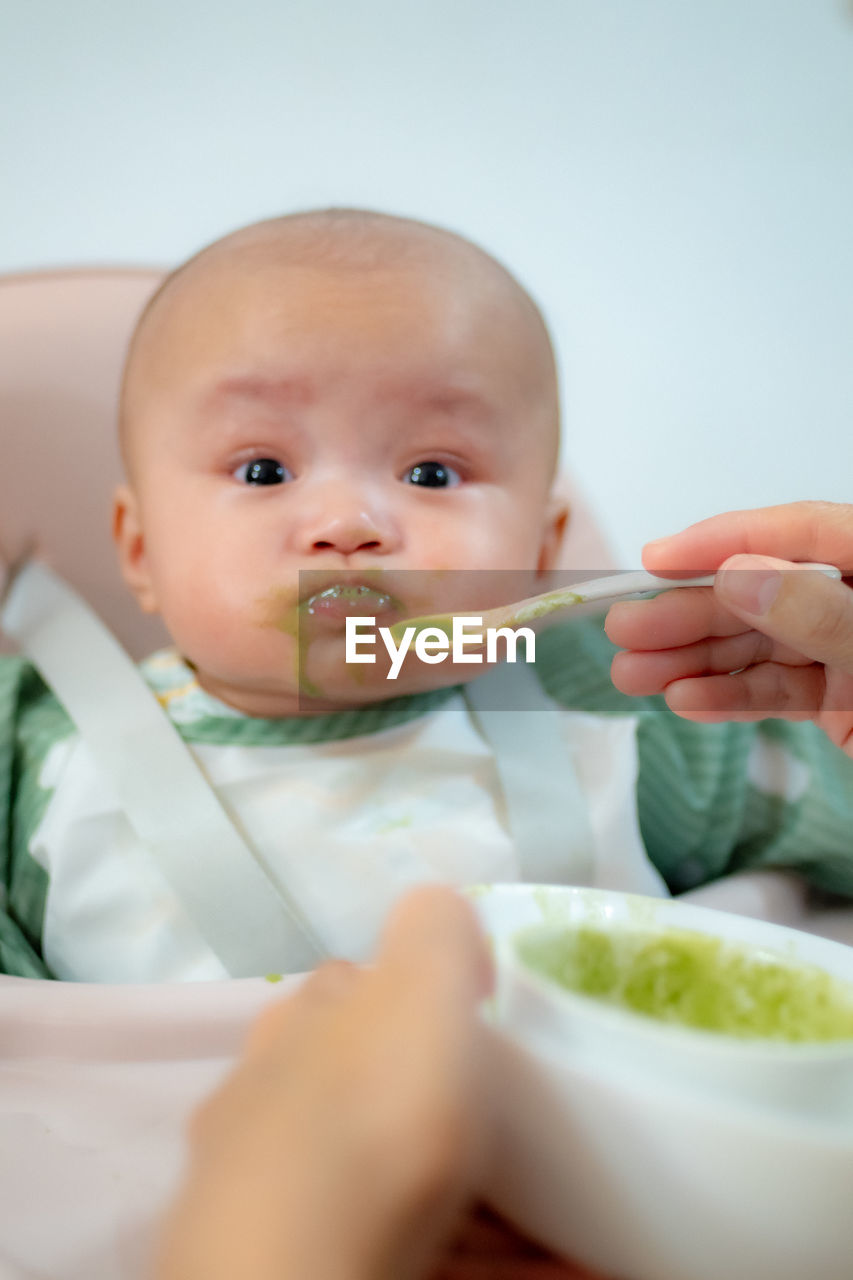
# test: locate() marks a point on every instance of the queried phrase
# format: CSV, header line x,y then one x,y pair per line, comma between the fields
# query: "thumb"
x,y
432,939
802,608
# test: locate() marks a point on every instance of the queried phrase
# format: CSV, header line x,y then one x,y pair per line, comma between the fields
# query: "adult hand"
x,y
770,639
348,1142
350,1135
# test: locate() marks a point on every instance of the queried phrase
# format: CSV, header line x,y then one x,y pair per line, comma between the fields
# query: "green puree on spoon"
x,y
596,591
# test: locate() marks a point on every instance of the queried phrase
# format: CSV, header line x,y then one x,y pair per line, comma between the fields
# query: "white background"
x,y
672,179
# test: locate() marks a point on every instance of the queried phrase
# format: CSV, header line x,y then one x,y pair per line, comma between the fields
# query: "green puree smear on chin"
x,y
695,981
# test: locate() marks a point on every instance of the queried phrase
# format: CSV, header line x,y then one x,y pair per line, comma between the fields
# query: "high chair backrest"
x,y
63,336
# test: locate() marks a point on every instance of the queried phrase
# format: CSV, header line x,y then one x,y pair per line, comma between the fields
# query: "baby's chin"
x,y
327,681
320,681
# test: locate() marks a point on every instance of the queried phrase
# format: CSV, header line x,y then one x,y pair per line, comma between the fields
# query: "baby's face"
x,y
381,429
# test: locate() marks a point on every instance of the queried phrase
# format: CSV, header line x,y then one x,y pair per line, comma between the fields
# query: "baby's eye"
x,y
262,471
432,475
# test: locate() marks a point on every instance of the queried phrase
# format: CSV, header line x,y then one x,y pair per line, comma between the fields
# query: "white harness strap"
x,y
546,808
245,918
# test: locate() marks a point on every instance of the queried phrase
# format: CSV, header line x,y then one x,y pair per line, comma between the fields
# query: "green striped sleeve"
x,y
799,806
713,799
31,720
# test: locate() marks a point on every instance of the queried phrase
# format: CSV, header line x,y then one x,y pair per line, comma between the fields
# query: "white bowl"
x,y
654,1152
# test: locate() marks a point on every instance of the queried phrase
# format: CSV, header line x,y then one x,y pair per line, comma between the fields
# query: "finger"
x,y
327,986
803,609
795,693
433,969
433,939
331,982
645,674
670,620
816,531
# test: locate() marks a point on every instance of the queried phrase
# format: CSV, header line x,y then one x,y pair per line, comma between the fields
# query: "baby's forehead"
x,y
256,264
263,281
221,316
238,290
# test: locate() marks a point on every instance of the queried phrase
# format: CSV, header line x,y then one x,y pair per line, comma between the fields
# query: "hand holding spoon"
x,y
597,591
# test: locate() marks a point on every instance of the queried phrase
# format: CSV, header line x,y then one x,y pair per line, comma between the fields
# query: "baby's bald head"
x,y
252,266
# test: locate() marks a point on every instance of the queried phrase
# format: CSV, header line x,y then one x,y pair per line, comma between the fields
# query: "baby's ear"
x,y
557,515
130,545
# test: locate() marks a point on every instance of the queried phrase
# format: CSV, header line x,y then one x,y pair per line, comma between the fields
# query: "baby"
x,y
343,413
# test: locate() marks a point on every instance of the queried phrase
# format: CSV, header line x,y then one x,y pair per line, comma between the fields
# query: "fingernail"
x,y
752,590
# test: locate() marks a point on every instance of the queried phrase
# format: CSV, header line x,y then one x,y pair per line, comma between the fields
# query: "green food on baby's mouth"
x,y
298,620
694,980
291,623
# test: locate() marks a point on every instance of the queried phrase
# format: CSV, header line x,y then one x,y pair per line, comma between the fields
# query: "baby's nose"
x,y
347,519
348,535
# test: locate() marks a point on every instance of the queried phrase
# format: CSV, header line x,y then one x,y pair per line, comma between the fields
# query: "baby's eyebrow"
x,y
447,398
258,387
293,390
452,400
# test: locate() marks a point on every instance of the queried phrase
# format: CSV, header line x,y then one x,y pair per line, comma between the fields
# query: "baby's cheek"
x,y
501,545
223,635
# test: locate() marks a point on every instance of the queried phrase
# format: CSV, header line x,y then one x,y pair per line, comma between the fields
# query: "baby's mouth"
x,y
342,600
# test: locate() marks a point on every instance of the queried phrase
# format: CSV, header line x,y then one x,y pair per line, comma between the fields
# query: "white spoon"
x,y
597,591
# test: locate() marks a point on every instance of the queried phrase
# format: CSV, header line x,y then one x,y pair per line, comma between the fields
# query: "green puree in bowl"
x,y
696,981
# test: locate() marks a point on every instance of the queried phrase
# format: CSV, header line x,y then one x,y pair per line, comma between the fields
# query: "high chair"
x,y
63,335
